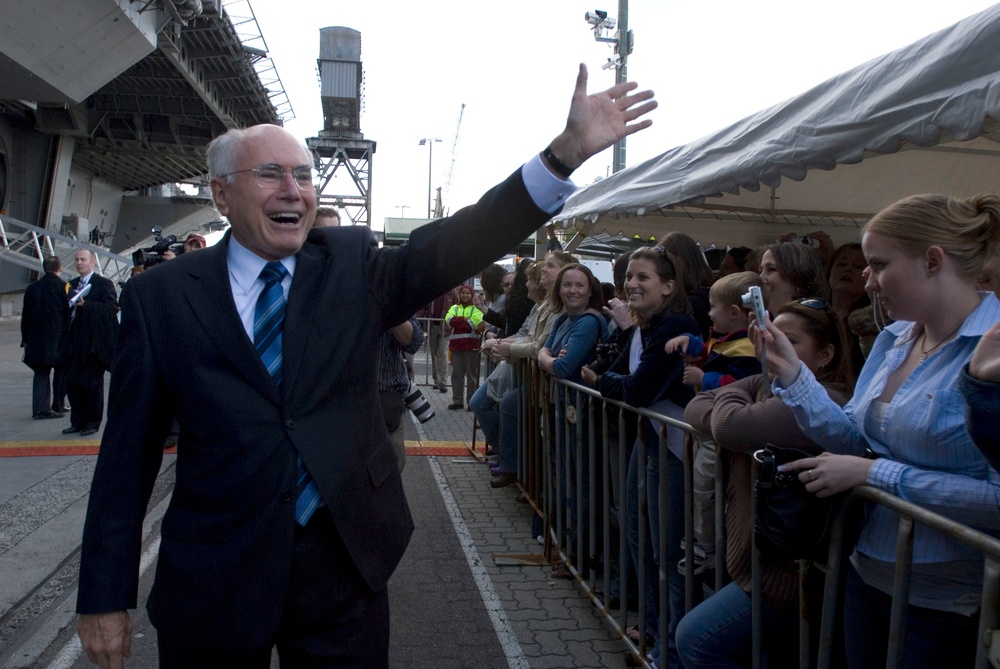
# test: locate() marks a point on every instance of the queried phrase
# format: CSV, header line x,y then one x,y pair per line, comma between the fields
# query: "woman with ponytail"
x,y
904,431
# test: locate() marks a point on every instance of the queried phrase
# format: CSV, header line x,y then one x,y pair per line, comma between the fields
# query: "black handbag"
x,y
791,522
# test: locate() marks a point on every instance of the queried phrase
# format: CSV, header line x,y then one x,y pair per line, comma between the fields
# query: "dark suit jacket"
x,y
91,334
43,319
227,535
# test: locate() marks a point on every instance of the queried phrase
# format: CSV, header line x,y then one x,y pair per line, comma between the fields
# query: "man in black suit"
x,y
89,343
43,319
243,565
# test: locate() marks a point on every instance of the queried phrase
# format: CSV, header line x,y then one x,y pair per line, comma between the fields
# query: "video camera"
x,y
154,254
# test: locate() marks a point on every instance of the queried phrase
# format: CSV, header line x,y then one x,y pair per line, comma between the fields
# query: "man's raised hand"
x,y
597,121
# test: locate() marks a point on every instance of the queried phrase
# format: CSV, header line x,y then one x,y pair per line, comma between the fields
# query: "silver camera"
x,y
753,300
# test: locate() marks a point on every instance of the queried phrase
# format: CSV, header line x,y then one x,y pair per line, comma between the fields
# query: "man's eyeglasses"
x,y
272,176
813,303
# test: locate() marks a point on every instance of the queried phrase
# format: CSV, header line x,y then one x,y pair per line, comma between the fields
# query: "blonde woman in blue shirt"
x,y
925,254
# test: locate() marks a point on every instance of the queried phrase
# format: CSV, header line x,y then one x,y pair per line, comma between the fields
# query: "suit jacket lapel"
x,y
300,322
211,299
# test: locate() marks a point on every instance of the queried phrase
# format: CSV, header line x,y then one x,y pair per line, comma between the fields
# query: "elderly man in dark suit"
x,y
43,319
279,411
89,343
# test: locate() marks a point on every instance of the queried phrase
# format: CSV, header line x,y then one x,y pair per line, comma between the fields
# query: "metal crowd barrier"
x,y
573,472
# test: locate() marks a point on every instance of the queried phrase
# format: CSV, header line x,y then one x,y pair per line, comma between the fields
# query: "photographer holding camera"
x,y
394,387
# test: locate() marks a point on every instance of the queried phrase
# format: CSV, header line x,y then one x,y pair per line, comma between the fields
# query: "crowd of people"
x,y
881,360
882,367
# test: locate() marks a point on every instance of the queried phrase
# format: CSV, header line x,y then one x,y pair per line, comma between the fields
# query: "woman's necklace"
x,y
925,352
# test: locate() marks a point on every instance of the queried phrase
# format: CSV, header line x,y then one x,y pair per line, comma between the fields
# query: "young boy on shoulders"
x,y
728,356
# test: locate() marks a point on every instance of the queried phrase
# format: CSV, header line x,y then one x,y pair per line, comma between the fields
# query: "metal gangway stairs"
x,y
26,245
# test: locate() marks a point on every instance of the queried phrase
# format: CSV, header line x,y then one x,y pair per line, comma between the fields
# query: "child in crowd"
x,y
728,356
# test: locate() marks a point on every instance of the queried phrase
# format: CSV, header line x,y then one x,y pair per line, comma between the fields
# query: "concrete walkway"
x,y
452,606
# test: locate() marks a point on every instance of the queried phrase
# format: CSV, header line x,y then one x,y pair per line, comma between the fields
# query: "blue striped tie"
x,y
268,324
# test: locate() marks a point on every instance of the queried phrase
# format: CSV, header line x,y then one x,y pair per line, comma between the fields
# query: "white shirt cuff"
x,y
548,191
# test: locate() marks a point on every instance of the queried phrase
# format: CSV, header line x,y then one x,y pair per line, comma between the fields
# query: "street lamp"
x,y
429,141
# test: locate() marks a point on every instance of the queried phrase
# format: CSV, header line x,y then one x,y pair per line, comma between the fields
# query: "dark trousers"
x,y
41,389
85,388
330,618
933,639
59,388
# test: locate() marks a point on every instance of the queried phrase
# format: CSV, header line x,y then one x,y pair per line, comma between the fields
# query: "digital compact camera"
x,y
753,300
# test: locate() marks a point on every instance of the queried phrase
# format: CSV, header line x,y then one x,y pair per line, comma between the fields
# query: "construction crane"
x,y
439,207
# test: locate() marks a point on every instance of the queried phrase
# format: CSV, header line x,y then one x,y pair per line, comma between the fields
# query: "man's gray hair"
x,y
222,154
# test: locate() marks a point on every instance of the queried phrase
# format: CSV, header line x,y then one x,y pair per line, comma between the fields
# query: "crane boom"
x,y
454,150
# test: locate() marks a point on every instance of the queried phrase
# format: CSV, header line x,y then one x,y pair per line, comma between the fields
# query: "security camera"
x,y
595,17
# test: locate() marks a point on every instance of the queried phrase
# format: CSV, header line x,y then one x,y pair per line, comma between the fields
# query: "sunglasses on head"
x,y
813,303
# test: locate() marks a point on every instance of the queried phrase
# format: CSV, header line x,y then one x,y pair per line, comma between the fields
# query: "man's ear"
x,y
219,195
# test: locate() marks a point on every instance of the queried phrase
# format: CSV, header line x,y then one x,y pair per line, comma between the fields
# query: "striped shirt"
x,y
926,454
392,374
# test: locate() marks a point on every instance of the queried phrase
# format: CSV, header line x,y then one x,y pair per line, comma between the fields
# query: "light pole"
x,y
429,141
402,209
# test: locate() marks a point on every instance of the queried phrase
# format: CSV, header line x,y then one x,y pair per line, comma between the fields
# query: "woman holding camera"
x,y
717,632
925,256
644,375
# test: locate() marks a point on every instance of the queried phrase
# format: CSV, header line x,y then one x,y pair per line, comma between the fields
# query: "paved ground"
x,y
453,607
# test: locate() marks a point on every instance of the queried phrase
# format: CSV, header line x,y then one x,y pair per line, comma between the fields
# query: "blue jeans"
x,y
718,633
509,430
499,423
933,638
485,410
674,527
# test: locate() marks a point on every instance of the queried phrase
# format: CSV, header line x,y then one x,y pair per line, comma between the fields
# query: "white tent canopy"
x,y
921,119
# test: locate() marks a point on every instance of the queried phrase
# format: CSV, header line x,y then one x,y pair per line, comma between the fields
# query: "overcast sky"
x,y
514,63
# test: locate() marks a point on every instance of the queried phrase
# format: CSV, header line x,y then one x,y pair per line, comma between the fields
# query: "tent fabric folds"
x,y
920,119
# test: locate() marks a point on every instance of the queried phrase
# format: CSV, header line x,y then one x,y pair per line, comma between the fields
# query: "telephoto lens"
x,y
418,404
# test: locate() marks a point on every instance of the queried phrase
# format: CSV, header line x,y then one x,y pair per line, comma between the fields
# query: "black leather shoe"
x,y
455,407
86,432
47,414
72,429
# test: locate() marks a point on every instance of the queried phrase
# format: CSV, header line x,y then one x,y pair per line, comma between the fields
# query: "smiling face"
x,y
271,222
574,291
895,276
777,289
465,295
846,274
644,289
726,318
